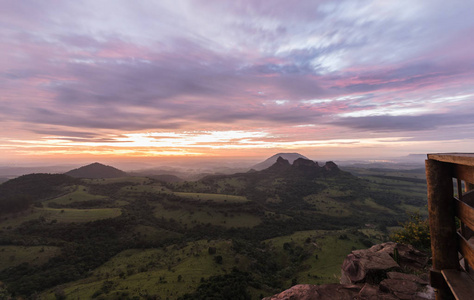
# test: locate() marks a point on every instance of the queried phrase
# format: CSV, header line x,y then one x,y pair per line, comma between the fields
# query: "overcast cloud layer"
x,y
210,76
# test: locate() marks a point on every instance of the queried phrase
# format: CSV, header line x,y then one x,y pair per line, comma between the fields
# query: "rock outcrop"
x,y
301,162
379,272
331,166
302,167
291,157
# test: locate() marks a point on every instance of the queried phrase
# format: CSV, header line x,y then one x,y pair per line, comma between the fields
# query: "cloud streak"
x,y
307,69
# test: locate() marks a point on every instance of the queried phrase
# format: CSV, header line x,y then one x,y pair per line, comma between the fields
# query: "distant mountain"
x,y
281,185
290,157
300,171
9,172
96,170
301,168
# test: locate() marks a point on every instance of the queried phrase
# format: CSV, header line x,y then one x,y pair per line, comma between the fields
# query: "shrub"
x,y
218,259
415,231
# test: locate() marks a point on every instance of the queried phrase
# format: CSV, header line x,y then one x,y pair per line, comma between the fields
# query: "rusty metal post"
x,y
441,218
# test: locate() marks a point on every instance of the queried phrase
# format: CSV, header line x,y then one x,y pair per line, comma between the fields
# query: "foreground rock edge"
x,y
373,273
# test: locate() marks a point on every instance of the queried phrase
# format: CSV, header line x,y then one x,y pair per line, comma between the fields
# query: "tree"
x,y
218,259
4,294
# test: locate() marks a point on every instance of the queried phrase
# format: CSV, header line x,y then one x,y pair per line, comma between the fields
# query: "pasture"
x,y
212,197
11,256
69,215
207,215
79,193
169,272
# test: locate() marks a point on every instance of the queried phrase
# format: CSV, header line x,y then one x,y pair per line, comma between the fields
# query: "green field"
x,y
154,188
327,205
61,215
212,197
79,193
131,179
12,221
136,272
175,270
327,251
11,256
208,215
79,215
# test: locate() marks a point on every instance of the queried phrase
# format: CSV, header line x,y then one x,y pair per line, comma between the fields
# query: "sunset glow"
x,y
207,78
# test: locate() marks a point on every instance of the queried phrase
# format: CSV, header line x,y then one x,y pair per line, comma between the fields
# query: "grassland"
x,y
327,205
328,250
207,215
178,269
212,197
131,179
79,193
79,215
11,256
155,188
169,272
65,215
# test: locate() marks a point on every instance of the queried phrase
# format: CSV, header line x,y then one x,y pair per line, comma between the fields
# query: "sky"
x,y
212,78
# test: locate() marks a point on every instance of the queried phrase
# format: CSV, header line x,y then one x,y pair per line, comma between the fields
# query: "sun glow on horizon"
x,y
188,143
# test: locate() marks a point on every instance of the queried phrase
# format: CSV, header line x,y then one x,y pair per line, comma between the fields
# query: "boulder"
x,y
409,277
409,257
372,265
326,291
367,265
403,289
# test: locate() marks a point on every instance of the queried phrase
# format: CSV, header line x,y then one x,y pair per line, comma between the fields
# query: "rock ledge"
x,y
372,274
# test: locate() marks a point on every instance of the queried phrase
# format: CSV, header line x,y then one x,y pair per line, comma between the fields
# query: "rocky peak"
x,y
301,162
331,166
281,161
281,165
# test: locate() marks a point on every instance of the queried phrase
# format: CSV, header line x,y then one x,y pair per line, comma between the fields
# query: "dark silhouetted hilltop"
x,y
290,157
301,167
96,170
18,193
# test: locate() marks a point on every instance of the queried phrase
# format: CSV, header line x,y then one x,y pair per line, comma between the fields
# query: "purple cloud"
x,y
393,67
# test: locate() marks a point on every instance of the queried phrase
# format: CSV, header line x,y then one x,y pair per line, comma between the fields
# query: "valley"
x,y
139,237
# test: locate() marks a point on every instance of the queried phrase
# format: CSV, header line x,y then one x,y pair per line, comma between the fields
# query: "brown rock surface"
x,y
326,291
403,289
367,265
408,277
410,257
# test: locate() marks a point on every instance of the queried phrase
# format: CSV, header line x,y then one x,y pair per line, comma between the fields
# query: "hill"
x,y
290,157
17,194
132,237
96,170
167,178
